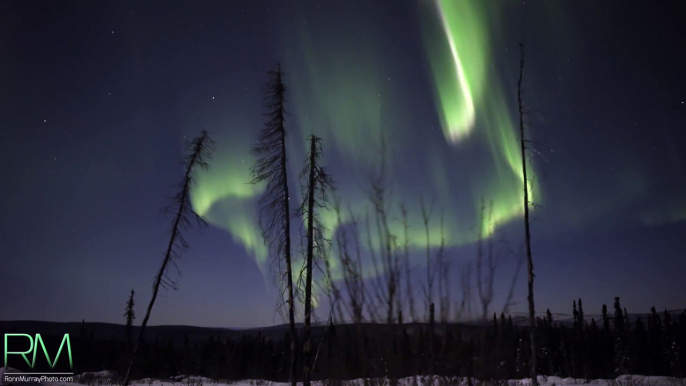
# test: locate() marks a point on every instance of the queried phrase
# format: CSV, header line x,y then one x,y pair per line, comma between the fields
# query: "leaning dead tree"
x,y
275,212
315,198
527,233
200,148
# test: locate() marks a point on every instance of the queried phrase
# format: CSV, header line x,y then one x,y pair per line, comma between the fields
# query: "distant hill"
x,y
522,319
105,331
177,334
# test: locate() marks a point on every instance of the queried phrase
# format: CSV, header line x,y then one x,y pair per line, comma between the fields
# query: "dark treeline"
x,y
616,344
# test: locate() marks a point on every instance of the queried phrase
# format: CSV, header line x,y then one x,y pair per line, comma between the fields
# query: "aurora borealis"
x,y
98,98
359,108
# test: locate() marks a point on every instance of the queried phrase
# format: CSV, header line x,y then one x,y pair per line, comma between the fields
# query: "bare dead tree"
x,y
200,152
333,292
387,277
443,267
428,290
513,283
390,261
406,261
314,199
378,292
275,212
527,233
464,311
351,267
361,289
485,281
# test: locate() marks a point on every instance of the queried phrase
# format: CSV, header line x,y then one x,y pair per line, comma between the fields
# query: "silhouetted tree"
x,y
387,274
409,294
275,212
130,315
200,151
426,218
484,282
494,351
314,199
527,233
622,359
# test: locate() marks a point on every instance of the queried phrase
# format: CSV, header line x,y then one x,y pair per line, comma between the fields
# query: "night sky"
x,y
97,99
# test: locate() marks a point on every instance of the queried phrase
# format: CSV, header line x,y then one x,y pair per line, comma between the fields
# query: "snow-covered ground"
x,y
107,378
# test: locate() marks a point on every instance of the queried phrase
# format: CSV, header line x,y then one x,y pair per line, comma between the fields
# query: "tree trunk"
x,y
307,344
529,260
167,256
289,273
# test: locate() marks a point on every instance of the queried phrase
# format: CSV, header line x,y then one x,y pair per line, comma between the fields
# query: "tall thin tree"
x,y
315,198
200,152
406,260
426,217
387,279
443,267
274,213
485,280
527,232
130,315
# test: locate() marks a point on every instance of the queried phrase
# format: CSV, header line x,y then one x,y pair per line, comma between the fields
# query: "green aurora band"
x,y
341,89
466,92
223,195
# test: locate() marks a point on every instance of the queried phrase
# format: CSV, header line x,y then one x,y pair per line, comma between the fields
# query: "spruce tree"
x,y
622,359
130,315
606,319
640,347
